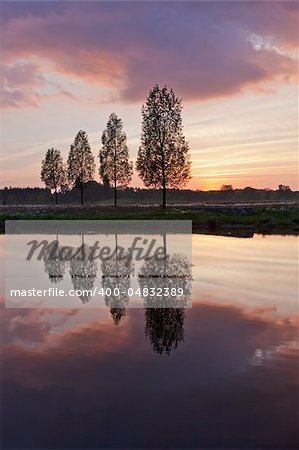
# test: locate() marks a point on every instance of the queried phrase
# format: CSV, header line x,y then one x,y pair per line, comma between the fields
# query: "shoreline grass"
x,y
263,218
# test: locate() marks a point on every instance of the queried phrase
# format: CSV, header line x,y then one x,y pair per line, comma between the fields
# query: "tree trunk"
x,y
163,179
165,255
164,195
56,202
115,178
81,189
116,258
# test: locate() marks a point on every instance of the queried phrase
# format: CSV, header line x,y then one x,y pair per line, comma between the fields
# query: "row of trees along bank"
x,y
163,159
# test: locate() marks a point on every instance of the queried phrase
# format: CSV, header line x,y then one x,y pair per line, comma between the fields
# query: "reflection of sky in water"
x,y
258,273
38,274
72,379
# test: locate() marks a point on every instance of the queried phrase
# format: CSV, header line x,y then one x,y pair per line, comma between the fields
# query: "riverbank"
x,y
218,219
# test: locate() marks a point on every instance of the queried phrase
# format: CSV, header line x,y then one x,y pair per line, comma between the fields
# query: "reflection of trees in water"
x,y
173,273
165,315
117,314
83,272
116,275
54,267
164,327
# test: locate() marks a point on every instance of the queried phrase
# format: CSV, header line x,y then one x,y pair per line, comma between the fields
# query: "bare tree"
x,y
115,168
53,171
163,158
81,164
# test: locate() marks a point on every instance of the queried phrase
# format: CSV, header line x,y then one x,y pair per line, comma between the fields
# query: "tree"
x,y
284,188
284,192
53,172
115,168
81,165
163,158
227,187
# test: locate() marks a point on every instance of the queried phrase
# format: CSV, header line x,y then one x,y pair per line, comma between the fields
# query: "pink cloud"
x,y
15,98
202,50
22,84
17,82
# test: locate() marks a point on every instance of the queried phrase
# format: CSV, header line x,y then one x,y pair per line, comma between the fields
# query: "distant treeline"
x,y
98,193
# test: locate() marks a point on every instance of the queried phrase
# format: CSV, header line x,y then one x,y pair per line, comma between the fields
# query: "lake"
x,y
222,374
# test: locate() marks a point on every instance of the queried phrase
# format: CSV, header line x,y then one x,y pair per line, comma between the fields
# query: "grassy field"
x,y
263,218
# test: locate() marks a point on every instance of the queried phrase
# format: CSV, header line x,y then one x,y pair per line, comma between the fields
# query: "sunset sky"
x,y
66,66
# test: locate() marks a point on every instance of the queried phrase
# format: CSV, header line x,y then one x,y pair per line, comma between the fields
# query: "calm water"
x,y
221,375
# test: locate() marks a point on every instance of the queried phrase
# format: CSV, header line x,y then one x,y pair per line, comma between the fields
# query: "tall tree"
x,y
81,164
53,171
115,167
163,158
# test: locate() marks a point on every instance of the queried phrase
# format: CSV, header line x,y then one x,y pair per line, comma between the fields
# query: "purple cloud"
x,y
201,49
